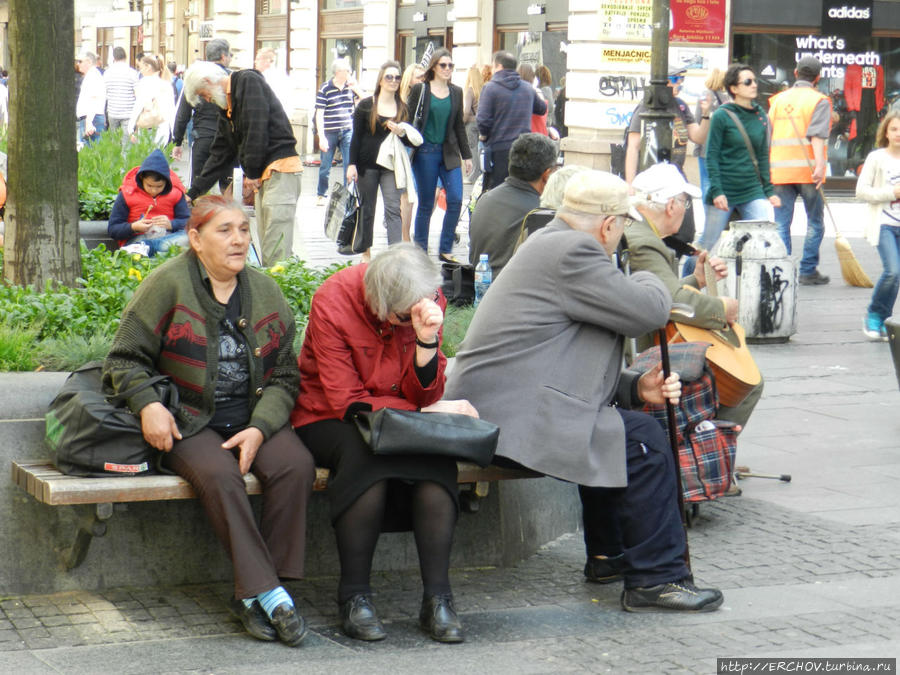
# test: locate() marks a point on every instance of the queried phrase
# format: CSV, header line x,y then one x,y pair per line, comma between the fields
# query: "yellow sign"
x,y
625,55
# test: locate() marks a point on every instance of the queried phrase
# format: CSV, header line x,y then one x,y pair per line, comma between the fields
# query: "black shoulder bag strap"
x,y
743,132
417,118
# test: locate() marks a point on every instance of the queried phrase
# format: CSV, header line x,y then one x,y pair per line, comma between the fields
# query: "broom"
x,y
851,270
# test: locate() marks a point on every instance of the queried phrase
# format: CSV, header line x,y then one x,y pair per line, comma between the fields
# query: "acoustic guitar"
x,y
728,357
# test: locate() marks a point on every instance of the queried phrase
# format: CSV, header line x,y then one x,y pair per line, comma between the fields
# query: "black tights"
x,y
357,530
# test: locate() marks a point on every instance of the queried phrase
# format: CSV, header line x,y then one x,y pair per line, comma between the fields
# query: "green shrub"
x,y
17,348
456,323
101,167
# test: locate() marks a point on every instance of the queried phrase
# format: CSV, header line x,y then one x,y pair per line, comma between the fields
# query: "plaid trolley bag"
x,y
706,446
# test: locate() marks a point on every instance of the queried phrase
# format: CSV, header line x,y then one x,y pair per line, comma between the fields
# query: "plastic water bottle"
x,y
483,276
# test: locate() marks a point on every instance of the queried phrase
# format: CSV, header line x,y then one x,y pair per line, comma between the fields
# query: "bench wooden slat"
x,y
48,485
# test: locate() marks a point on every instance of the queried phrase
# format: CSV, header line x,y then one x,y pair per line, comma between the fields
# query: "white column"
x,y
379,29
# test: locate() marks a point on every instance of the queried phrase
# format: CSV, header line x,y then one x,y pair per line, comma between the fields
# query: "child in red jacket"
x,y
150,207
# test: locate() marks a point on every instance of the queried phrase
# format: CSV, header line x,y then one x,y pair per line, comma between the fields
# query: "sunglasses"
x,y
748,81
676,79
449,66
392,78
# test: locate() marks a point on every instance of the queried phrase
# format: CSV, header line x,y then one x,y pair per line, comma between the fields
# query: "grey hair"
x,y
398,278
340,64
552,196
89,56
196,78
643,202
216,49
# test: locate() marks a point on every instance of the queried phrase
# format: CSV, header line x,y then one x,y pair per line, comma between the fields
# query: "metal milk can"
x,y
763,278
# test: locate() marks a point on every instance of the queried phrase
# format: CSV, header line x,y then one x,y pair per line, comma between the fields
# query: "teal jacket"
x,y
728,161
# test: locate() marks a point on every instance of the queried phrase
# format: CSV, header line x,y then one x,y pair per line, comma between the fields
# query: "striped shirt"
x,y
120,81
337,105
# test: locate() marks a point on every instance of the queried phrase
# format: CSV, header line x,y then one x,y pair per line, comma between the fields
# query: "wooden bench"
x,y
43,481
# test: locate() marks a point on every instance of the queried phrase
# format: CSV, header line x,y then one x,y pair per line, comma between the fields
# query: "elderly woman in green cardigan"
x,y
224,334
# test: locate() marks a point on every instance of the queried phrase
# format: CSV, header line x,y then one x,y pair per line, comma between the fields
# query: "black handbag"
x,y
97,435
389,431
458,283
352,238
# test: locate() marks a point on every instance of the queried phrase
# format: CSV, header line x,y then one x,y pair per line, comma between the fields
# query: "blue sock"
x,y
271,599
248,602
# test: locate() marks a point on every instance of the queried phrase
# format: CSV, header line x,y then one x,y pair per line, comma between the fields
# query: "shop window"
x,y
341,4
863,82
336,48
271,7
538,48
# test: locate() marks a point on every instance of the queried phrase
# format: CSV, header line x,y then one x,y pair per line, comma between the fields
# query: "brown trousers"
x,y
260,554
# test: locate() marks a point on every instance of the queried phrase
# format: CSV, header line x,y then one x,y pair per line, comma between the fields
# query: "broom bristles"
x,y
851,270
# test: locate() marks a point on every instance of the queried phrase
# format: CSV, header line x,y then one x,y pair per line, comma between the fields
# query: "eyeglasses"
x,y
444,64
685,201
748,81
626,220
392,78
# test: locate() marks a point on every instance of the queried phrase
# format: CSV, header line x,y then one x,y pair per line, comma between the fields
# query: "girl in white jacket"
x,y
154,105
879,184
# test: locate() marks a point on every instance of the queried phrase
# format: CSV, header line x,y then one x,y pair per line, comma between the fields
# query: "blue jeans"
x,y
815,228
162,244
717,219
428,166
704,177
334,139
885,292
99,125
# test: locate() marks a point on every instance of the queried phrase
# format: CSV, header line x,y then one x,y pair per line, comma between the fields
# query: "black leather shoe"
x,y
675,596
448,258
359,619
604,570
438,619
289,625
254,619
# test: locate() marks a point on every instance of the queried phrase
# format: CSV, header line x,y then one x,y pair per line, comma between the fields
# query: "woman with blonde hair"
x,y
879,184
471,93
154,105
545,84
716,94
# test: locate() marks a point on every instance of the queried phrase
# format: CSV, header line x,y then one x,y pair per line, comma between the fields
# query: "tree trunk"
x,y
41,242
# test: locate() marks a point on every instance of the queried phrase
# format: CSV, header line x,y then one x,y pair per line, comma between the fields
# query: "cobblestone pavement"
x,y
757,551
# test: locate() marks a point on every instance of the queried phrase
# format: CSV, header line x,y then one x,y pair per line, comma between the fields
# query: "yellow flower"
x,y
276,269
134,274
136,257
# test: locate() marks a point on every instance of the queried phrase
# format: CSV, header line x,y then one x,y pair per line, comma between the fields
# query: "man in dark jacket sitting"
x,y
256,131
497,220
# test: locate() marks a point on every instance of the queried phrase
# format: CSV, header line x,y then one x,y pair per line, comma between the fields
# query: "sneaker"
x,y
873,327
814,279
604,570
675,596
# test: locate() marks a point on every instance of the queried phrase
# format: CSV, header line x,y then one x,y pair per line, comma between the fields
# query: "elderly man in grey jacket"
x,y
542,358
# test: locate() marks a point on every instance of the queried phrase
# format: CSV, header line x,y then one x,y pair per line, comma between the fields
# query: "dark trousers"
x,y
199,154
260,554
642,519
499,170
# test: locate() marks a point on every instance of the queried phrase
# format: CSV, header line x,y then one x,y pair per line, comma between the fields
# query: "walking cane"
x,y
685,311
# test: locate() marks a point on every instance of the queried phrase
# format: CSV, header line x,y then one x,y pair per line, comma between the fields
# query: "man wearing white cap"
x,y
662,195
542,358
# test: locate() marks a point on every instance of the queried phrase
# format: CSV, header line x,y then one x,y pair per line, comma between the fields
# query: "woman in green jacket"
x,y
738,175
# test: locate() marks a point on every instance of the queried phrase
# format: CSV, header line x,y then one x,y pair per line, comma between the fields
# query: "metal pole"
x,y
656,122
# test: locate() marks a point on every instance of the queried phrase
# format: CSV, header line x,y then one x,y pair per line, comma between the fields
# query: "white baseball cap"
x,y
661,182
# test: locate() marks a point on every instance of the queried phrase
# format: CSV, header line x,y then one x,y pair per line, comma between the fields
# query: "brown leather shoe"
x,y
438,619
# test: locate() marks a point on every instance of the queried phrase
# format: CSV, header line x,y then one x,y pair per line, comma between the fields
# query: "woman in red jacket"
x,y
372,342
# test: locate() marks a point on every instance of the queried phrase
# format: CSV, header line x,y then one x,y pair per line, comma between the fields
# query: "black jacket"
x,y
206,118
257,134
455,141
